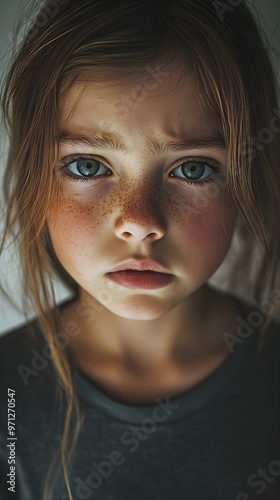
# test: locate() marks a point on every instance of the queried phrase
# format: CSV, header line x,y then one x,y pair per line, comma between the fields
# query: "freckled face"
x,y
140,202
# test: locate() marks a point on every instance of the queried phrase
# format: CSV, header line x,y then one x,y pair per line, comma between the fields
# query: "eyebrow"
x,y
113,142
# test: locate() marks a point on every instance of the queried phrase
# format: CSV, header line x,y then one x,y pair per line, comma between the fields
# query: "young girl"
x,y
144,143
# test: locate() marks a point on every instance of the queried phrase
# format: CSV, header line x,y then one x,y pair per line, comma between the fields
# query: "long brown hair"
x,y
233,65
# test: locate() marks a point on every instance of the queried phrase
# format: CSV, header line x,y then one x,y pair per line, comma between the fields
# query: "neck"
x,y
184,331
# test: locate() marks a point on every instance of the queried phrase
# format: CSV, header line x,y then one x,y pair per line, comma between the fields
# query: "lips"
x,y
140,265
145,274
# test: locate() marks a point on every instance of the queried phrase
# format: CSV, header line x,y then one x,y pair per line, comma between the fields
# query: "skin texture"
x,y
140,211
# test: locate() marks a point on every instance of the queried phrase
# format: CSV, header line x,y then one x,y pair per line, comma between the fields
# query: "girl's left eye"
x,y
196,170
84,168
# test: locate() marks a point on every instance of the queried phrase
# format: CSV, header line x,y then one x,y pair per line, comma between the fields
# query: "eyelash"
x,y
211,163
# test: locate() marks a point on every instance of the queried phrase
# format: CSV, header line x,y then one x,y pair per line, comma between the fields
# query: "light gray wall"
x,y
9,267
271,13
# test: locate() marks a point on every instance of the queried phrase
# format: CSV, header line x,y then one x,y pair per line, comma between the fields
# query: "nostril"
x,y
130,231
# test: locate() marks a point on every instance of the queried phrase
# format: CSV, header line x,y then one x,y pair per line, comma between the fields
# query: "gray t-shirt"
x,y
218,441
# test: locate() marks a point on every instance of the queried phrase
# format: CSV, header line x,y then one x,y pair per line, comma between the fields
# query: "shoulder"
x,y
252,318
28,385
16,343
23,356
20,335
266,330
270,341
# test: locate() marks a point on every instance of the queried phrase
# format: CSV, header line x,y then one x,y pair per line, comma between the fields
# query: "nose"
x,y
139,232
140,221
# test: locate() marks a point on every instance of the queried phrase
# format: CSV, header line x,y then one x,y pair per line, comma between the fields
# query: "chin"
x,y
140,315
138,309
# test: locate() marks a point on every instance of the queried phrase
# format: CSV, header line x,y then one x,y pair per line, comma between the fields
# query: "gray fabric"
x,y
214,442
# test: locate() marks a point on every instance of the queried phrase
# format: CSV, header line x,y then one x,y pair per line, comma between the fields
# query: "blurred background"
x,y
11,316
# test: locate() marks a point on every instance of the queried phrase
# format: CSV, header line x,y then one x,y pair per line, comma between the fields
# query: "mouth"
x,y
140,265
132,278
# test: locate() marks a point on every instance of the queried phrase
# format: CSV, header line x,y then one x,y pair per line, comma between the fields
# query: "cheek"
x,y
209,230
81,211
72,227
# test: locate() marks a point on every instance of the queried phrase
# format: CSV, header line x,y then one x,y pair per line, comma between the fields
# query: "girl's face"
x,y
129,196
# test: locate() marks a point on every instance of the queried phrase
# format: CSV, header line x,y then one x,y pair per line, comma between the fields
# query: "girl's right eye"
x,y
84,168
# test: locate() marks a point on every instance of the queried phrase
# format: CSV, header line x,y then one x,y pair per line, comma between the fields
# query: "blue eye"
x,y
84,167
195,171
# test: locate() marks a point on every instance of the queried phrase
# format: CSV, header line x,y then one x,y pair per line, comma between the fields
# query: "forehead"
x,y
159,103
